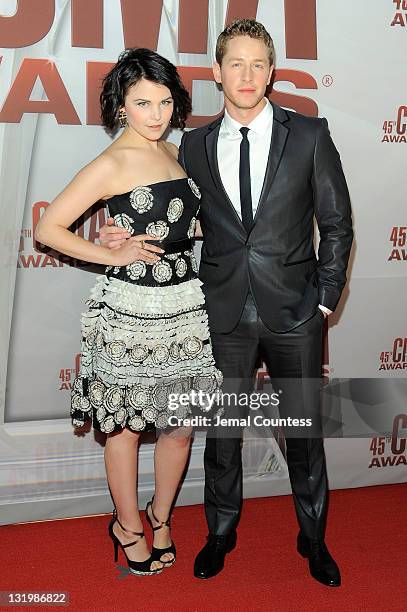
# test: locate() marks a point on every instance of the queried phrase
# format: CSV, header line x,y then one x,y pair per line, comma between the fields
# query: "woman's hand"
x,y
111,236
135,249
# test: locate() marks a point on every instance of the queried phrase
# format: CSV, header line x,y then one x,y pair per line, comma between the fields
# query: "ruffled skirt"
x,y
141,347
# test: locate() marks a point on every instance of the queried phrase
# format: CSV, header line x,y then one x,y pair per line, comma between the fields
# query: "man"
x,y
265,173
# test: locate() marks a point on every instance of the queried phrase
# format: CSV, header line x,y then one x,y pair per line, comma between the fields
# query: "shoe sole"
x,y
211,576
136,573
324,583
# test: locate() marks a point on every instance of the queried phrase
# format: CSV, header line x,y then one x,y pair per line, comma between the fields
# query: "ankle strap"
x,y
162,523
137,533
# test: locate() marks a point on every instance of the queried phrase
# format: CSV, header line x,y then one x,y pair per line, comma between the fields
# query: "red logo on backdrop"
x,y
396,358
66,376
390,451
398,237
141,23
32,254
395,130
400,16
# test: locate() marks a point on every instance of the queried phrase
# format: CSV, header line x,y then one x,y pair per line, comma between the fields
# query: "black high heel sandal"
x,y
140,568
157,553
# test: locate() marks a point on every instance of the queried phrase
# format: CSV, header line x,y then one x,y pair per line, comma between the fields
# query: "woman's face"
x,y
149,108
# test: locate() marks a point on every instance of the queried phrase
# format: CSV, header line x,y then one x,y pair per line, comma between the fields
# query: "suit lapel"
x,y
278,141
211,144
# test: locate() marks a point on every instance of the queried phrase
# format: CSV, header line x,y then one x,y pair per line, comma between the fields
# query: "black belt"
x,y
176,247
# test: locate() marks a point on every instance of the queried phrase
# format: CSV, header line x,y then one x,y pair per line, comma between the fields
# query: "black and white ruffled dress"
x,y
145,335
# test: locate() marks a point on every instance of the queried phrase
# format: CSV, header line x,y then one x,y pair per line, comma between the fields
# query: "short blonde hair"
x,y
244,27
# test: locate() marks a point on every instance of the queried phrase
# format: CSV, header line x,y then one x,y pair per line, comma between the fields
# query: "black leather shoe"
x,y
322,566
210,560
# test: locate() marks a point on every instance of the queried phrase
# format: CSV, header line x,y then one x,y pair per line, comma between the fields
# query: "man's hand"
x,y
136,249
198,230
111,236
128,249
325,311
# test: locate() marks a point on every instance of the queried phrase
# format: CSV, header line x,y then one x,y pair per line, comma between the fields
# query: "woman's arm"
x,y
89,185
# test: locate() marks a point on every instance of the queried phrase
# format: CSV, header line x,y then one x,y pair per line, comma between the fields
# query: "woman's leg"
x,y
121,461
171,454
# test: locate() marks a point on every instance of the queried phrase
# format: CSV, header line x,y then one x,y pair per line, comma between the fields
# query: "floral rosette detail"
x,y
120,416
191,230
175,210
194,264
158,230
174,350
116,349
100,413
162,271
136,270
138,397
108,425
149,414
137,423
138,354
141,199
113,399
192,346
96,392
194,188
162,420
160,354
159,396
181,267
124,221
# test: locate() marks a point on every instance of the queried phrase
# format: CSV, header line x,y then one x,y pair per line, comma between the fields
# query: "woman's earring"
x,y
122,118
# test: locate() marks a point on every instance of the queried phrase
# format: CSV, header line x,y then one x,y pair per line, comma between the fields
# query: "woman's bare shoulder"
x,y
101,176
108,159
103,165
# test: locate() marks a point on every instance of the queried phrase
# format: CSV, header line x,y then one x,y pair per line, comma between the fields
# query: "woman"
x,y
145,335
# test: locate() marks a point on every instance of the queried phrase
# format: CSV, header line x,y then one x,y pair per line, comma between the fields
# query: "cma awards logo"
x,y
390,451
67,375
400,17
395,130
398,237
32,254
396,358
141,23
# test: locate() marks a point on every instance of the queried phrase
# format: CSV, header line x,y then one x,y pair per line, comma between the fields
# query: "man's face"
x,y
245,72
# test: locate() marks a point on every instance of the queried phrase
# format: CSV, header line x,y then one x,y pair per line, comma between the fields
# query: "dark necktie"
x,y
244,181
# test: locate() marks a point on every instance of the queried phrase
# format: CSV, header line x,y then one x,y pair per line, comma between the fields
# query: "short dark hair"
x,y
244,27
132,66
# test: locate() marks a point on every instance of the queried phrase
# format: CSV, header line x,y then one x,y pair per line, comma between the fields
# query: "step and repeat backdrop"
x,y
337,59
